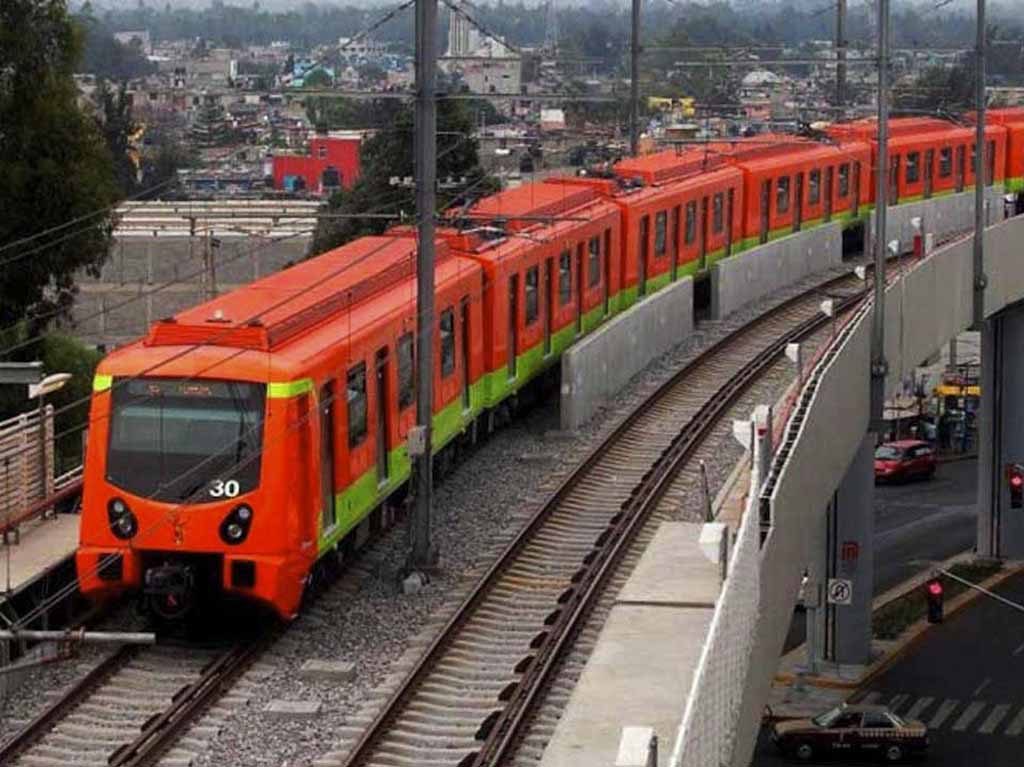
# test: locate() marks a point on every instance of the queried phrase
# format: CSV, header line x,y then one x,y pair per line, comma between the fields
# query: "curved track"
x,y
467,699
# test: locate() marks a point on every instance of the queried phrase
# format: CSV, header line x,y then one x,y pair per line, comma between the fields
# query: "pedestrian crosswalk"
x,y
958,716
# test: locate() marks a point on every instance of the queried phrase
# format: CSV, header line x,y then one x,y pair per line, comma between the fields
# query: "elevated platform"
x,y
43,544
642,668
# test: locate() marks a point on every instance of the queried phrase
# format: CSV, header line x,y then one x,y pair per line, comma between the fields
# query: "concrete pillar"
x,y
1000,434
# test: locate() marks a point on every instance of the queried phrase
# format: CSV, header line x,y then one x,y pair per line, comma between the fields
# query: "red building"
x,y
332,162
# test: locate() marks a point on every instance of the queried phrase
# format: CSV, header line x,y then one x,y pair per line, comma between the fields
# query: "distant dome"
x,y
761,77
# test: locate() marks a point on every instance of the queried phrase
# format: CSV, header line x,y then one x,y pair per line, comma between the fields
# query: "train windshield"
x,y
185,441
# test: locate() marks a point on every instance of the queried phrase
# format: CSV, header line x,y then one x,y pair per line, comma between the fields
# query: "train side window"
x,y
406,379
990,162
913,167
691,222
594,262
814,188
532,294
355,385
564,278
974,156
782,195
448,342
660,234
946,162
718,213
844,179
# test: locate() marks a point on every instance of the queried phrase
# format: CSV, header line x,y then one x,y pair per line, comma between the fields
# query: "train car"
x,y
1012,120
247,438
551,256
792,183
928,157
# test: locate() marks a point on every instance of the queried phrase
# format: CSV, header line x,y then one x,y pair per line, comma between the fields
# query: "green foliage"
x,y
937,89
104,56
316,79
117,125
54,162
389,154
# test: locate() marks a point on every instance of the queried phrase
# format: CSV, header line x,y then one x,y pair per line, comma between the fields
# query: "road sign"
x,y
840,591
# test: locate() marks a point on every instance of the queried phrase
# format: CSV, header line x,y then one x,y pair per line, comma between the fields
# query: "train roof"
x,y
1005,116
668,166
274,310
772,150
866,128
532,201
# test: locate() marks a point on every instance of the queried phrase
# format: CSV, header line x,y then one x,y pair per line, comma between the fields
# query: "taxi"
x,y
851,730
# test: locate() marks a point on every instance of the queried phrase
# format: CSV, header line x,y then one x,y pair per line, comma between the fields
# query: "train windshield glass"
x,y
186,441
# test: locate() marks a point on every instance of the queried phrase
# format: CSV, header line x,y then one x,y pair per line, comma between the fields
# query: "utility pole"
x,y
423,555
879,366
840,52
634,82
980,281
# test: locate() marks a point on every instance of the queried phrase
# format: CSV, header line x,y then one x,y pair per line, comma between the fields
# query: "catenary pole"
x,y
423,554
634,81
979,170
840,52
879,366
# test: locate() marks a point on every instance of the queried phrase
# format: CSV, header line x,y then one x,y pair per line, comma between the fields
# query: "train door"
x,y
579,288
730,199
645,230
856,188
766,202
382,415
466,392
513,326
929,163
990,163
607,270
548,309
894,181
675,242
961,155
829,181
703,263
328,510
798,210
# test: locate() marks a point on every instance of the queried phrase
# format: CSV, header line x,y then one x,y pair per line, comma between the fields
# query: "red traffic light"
x,y
1016,480
935,588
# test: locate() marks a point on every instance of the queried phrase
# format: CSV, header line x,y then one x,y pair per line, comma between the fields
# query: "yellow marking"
x,y
284,389
102,382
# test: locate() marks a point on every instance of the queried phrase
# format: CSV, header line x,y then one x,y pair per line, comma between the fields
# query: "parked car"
x,y
851,730
903,460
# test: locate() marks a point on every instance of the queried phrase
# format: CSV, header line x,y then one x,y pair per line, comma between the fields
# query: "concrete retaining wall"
x,y
596,369
756,273
105,312
940,216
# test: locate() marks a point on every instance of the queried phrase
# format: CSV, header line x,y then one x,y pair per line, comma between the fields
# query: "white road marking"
x,y
948,707
977,691
969,715
994,718
897,701
914,712
871,698
1019,650
1016,726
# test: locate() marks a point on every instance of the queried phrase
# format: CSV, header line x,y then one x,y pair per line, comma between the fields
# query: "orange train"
x,y
251,439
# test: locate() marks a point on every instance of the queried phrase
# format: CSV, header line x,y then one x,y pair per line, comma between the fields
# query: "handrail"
x,y
39,507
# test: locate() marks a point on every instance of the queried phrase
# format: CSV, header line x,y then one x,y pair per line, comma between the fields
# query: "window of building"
x,y
356,395
782,195
718,213
406,374
913,167
946,162
660,233
844,179
532,294
447,342
691,222
564,278
814,187
594,262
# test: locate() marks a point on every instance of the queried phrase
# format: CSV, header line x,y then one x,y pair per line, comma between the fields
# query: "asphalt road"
x,y
925,520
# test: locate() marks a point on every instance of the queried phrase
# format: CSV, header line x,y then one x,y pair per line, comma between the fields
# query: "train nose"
x,y
170,589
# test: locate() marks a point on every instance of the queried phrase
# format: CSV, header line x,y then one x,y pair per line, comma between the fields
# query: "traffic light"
x,y
1015,478
933,590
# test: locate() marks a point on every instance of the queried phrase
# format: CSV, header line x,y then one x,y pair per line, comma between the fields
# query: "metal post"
x,y
879,366
634,82
979,170
423,555
840,53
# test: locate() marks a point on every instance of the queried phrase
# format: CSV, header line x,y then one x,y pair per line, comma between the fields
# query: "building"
x,y
140,40
488,65
332,163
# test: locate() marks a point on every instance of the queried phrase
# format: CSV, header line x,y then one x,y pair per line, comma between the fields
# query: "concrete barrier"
x,y
753,274
596,369
941,216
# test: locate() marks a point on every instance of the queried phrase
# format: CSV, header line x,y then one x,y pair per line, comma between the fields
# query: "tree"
x,y
54,163
115,115
389,154
937,89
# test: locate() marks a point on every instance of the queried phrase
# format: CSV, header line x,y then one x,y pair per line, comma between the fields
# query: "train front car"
x,y
179,505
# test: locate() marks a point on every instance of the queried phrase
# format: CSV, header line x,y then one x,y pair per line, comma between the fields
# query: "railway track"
x,y
132,709
466,702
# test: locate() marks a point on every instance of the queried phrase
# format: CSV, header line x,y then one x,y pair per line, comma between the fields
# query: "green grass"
x,y
893,619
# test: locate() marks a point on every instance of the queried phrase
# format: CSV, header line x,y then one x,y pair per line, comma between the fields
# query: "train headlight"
x,y
235,527
122,522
